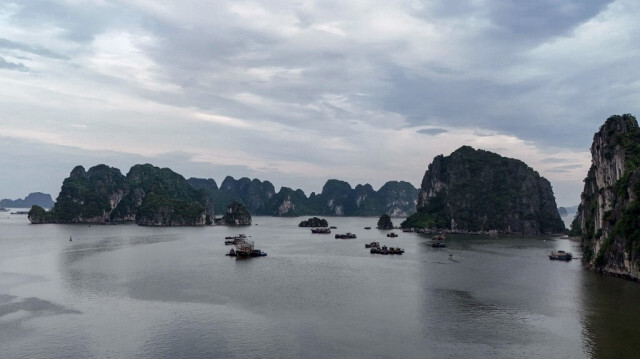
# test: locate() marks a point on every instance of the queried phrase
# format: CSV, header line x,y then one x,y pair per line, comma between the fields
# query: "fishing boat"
x,y
322,230
347,235
560,256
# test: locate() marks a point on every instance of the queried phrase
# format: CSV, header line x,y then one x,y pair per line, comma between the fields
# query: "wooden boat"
x,y
347,235
322,230
560,256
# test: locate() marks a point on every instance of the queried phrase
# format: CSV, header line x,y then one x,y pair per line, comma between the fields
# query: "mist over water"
x,y
130,291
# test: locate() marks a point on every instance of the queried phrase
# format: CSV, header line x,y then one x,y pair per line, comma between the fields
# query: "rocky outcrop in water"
x,y
476,190
237,215
608,218
314,222
148,195
385,222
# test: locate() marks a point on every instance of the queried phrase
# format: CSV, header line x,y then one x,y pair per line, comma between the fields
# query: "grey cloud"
x,y
432,131
4,64
37,50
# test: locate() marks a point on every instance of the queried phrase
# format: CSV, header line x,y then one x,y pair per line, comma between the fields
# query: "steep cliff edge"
x,y
608,219
476,190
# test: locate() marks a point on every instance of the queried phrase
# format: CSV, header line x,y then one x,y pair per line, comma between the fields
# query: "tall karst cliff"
x,y
608,218
476,190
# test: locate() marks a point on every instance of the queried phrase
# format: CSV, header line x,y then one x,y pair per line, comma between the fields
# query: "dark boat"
x,y
392,235
438,245
232,253
323,230
372,245
367,227
560,256
257,253
347,235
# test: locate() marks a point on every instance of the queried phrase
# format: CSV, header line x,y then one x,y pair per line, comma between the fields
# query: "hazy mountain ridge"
x,y
34,198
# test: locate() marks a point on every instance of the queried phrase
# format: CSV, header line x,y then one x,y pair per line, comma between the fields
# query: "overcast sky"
x,y
297,92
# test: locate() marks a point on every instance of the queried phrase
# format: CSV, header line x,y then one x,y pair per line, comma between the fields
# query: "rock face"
x,y
314,222
33,199
338,198
237,215
476,190
385,222
608,218
148,195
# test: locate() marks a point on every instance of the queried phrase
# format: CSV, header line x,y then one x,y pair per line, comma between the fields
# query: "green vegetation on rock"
x,y
476,190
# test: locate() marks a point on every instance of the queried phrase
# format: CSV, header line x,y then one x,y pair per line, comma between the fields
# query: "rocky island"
x,y
476,191
148,195
608,218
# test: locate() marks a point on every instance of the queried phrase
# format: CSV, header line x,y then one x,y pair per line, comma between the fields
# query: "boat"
x,y
347,235
439,237
560,255
372,245
333,227
2,209
257,253
386,251
407,230
322,230
438,245
232,253
392,235
367,227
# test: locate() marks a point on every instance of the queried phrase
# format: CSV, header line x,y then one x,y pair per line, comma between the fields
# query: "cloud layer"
x,y
301,92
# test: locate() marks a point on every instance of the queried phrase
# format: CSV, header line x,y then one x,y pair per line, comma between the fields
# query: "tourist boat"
x,y
386,251
347,235
372,245
560,255
392,235
322,230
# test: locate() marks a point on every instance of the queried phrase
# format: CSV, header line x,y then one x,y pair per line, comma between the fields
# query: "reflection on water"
x,y
611,313
128,291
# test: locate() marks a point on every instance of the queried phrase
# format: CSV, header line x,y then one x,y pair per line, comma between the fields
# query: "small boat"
x,y
438,245
407,230
392,235
347,235
257,253
439,237
232,253
372,245
560,255
321,230
2,209
367,227
333,227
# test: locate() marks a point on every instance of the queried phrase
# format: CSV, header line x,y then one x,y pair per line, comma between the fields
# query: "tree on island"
x,y
385,222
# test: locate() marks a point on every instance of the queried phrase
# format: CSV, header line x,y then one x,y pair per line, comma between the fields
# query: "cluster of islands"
x,y
469,191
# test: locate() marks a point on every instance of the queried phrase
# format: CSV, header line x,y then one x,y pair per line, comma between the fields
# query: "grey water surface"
x,y
124,291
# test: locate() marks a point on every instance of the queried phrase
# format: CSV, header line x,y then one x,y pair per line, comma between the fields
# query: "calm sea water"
x,y
134,292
